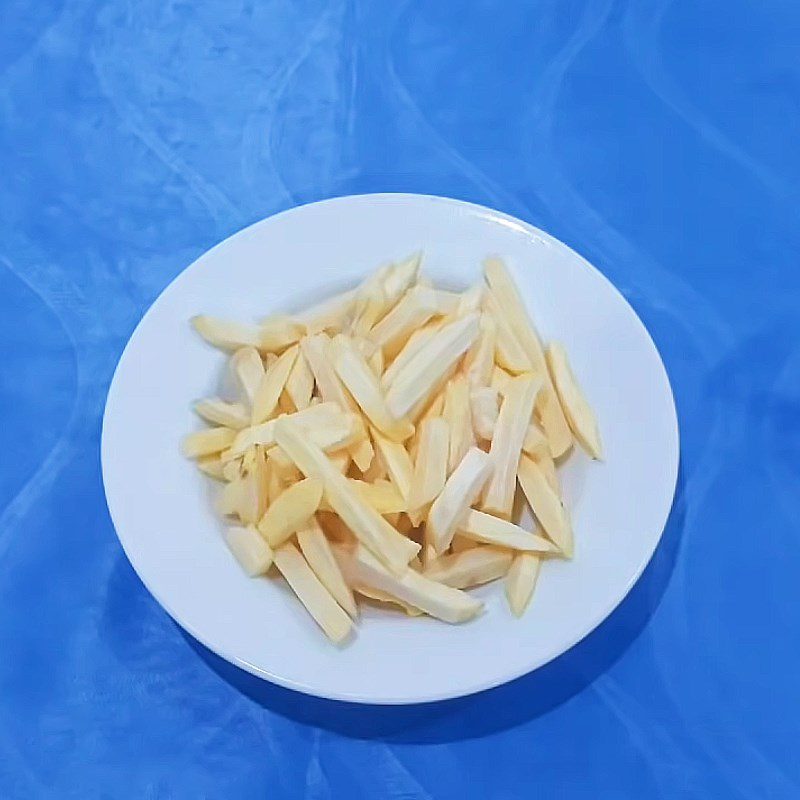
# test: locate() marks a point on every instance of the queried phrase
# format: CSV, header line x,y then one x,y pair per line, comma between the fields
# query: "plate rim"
x,y
477,686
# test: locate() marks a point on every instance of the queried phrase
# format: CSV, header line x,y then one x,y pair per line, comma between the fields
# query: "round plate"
x,y
162,506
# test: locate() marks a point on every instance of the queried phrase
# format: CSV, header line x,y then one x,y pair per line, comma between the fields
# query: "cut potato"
x,y
545,462
479,361
414,344
509,352
397,462
290,511
486,529
577,410
485,407
458,414
521,581
460,491
212,466
249,548
430,467
415,308
535,442
470,567
385,597
425,370
207,442
317,551
300,383
248,369
512,423
220,412
271,386
327,613
332,314
316,349
399,277
546,505
272,335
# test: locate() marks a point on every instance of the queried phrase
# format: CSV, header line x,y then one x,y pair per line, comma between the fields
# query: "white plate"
x,y
162,506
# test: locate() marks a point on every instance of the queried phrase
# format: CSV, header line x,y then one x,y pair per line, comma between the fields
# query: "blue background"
x,y
658,139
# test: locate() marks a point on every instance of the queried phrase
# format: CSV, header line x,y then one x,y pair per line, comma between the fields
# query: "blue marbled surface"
x,y
657,138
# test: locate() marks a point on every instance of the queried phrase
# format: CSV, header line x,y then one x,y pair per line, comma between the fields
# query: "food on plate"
x,y
384,445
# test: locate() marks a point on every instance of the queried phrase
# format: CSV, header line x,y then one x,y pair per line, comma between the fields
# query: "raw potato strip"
x,y
276,333
376,363
535,442
521,581
399,277
447,303
577,410
272,385
416,342
385,597
424,371
430,467
485,407
546,505
317,552
512,422
479,360
249,371
207,442
509,352
329,315
360,380
507,294
470,300
367,525
486,529
397,462
300,383
212,466
327,613
290,511
460,491
415,308
470,567
449,605
546,464
249,549
219,412
382,495
316,350
458,413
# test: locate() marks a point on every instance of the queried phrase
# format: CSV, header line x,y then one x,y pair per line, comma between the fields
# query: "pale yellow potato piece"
x,y
272,384
385,597
399,277
382,495
413,310
249,549
290,511
207,442
485,407
448,303
332,314
317,551
421,375
220,412
460,491
361,568
545,462
521,581
535,442
318,601
275,486
273,334
253,492
414,344
470,567
479,360
487,529
577,410
376,363
300,383
316,349
360,380
509,352
212,466
397,461
248,369
362,451
457,412
367,525
232,469
500,380
231,498
430,467
470,300
509,433
546,504
283,466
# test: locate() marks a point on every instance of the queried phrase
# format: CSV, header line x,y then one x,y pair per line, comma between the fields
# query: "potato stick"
x,y
290,511
362,384
458,414
535,441
231,498
397,461
545,462
521,581
329,315
273,334
367,525
470,300
422,374
272,385
485,407
546,505
300,383
442,602
399,277
384,597
361,450
275,486
479,359
512,422
327,613
219,412
520,321
509,352
382,495
212,466
414,344
253,495
447,303
207,442
317,552
231,470
376,363
249,549
460,491
413,310
486,529
577,410
430,467
316,350
248,369
470,567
